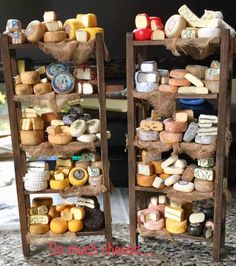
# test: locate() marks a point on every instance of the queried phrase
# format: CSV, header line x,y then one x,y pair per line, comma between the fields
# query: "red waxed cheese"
x,y
156,24
142,34
142,21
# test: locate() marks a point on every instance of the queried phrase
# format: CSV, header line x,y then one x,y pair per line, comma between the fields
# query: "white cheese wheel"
x,y
146,86
172,180
180,163
205,139
54,37
198,217
169,161
194,80
35,186
172,170
34,31
78,128
37,176
184,186
87,138
209,33
174,26
93,126
192,90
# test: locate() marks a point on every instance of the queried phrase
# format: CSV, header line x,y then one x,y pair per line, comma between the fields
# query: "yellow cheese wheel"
x,y
39,228
157,167
60,139
58,225
145,181
78,212
59,184
71,25
78,176
75,226
42,88
61,207
54,37
67,215
30,77
23,89
175,227
31,137
39,201
93,31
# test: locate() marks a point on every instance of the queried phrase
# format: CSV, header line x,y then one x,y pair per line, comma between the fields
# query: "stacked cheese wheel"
x,y
15,32
148,28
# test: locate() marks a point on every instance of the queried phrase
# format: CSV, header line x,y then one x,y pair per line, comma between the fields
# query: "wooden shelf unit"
x,y
136,53
19,152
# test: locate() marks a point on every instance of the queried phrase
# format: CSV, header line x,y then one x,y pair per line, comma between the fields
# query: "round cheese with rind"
x,y
78,176
178,73
42,88
204,185
63,82
170,138
197,70
93,126
59,184
175,227
191,132
174,26
174,126
54,36
145,181
30,77
54,68
207,140
172,170
172,180
35,186
77,128
23,89
87,138
34,31
209,33
184,186
169,161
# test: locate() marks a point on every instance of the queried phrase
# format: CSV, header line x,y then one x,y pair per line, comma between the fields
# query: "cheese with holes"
x,y
212,74
189,33
194,80
81,35
174,26
148,66
189,16
158,182
176,214
145,168
204,173
208,162
192,90
49,16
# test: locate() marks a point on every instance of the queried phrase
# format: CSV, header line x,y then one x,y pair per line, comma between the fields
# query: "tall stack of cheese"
x,y
14,30
83,27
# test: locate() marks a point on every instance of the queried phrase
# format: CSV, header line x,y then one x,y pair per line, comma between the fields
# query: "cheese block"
x,y
174,26
38,219
169,161
155,115
148,66
168,88
29,77
31,137
30,112
192,90
54,68
145,168
37,123
149,156
78,176
212,85
172,170
149,124
198,217
147,77
189,33
158,182
142,21
180,163
189,16
175,227
181,117
34,31
209,33
78,213
207,162
163,72
64,170
184,186
189,113
58,225
191,132
13,25
172,180
197,71
42,88
59,184
87,138
63,83
180,82
144,135
176,214
93,171
87,20
188,174
158,35
93,31
53,26
178,73
54,37
39,228
174,126
71,25
49,16
93,126
81,35
146,86
203,185
204,131
64,162
18,37
204,173
145,181
194,80
207,140
204,118
157,167
85,73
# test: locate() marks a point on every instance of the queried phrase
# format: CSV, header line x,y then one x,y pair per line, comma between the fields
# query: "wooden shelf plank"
x,y
45,191
151,189
23,46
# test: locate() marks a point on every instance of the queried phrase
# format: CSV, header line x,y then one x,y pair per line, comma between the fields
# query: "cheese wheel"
x,y
66,214
148,214
145,181
188,174
87,138
181,82
184,186
59,184
196,70
172,170
78,212
63,206
71,25
154,225
209,33
58,225
75,226
144,135
198,217
142,21
193,90
93,31
78,128
180,163
178,73
35,186
157,167
169,161
175,227
31,137
54,68
191,132
204,185
23,89
174,26
205,139
78,176
174,126
53,213
168,88
194,80
60,139
34,31
42,88
39,228
172,180
148,66
29,77
93,126
54,37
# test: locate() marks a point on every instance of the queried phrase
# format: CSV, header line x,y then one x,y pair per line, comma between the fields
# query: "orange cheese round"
x,y
178,73
170,138
168,88
157,167
174,126
75,226
180,82
58,225
145,181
